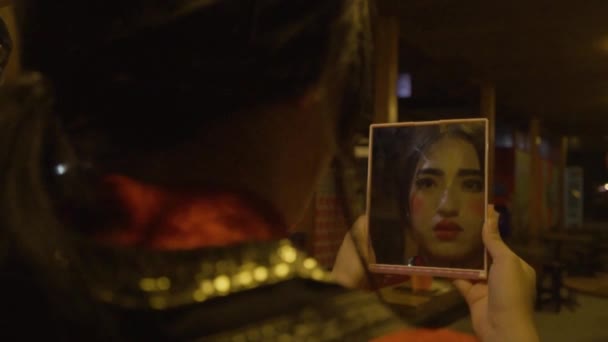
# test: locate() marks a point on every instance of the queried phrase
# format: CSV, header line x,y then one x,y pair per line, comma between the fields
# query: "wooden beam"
x,y
488,111
563,163
536,181
386,70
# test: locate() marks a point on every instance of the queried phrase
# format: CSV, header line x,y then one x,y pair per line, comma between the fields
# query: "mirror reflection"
x,y
428,195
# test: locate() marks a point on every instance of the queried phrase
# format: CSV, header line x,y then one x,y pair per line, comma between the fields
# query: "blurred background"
x,y
538,70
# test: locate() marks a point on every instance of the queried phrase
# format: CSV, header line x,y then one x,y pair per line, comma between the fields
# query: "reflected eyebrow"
x,y
430,172
470,172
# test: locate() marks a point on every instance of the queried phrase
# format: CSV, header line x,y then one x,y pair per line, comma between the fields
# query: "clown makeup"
x,y
427,197
447,201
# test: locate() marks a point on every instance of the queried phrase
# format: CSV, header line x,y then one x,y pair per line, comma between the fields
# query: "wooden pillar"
x,y
386,72
563,163
488,111
535,193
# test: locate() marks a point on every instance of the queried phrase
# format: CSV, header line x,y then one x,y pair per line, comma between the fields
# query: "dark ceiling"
x,y
547,58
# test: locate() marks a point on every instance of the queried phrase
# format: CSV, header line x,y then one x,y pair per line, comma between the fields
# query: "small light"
x,y
222,284
281,270
310,263
147,284
245,278
61,169
207,287
163,283
288,254
404,86
606,186
260,274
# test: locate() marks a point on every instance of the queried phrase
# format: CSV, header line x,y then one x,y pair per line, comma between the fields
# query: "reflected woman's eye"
x,y
425,183
472,185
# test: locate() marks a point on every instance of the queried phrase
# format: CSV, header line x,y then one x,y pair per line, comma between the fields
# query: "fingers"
x,y
491,237
463,286
471,292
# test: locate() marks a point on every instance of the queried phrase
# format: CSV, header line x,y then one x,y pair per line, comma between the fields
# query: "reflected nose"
x,y
448,205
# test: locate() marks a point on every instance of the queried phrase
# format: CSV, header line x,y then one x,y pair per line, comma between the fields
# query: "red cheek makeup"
x,y
416,205
477,207
410,166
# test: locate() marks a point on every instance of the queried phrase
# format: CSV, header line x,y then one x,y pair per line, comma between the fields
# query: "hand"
x,y
352,259
349,268
502,309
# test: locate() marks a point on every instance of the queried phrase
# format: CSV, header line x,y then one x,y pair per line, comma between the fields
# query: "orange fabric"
x,y
168,220
426,335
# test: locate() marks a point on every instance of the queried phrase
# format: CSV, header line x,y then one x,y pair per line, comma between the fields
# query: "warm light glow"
x,y
606,186
199,296
147,284
310,263
207,287
245,278
260,274
222,284
163,283
281,270
318,274
288,254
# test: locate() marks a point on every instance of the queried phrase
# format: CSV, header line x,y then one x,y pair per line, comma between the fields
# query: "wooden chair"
x,y
549,286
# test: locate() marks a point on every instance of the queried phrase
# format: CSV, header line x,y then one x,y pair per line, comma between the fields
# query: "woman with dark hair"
x,y
427,196
442,196
153,161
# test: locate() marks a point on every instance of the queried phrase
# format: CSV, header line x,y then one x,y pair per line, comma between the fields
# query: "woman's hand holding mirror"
x,y
502,307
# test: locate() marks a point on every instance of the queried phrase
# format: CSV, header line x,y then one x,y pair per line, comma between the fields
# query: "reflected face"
x,y
447,201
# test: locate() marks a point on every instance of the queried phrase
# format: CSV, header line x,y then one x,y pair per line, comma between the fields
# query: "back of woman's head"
x,y
168,68
133,77
118,78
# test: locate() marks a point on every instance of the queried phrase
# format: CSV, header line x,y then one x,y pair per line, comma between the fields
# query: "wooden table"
x,y
594,286
438,307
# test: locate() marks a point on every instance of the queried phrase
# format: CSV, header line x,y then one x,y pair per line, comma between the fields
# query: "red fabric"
x,y
169,220
425,335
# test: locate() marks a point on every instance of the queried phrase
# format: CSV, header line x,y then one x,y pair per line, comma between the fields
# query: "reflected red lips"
x,y
447,230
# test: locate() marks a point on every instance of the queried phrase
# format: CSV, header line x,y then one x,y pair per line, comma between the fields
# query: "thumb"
x,y
491,237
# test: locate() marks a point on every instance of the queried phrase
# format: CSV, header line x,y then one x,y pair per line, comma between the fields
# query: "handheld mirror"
x,y
427,198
